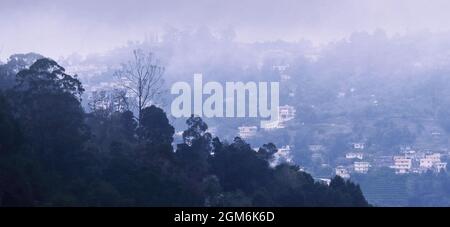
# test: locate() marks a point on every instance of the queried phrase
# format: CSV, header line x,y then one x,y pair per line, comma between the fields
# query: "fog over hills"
x,y
364,85
59,28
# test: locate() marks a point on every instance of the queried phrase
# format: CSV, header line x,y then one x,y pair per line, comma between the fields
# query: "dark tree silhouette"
x,y
54,154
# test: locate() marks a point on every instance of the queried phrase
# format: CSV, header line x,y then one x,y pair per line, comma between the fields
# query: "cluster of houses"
x,y
357,160
359,163
411,161
407,161
285,114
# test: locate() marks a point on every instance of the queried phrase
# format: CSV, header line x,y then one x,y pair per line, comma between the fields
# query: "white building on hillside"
x,y
402,164
354,155
432,161
361,167
280,68
246,132
342,172
359,146
285,114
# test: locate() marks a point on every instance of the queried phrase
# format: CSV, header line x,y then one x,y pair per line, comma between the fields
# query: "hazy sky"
x,y
60,27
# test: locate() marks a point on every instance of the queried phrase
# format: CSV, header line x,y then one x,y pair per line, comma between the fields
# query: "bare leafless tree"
x,y
142,77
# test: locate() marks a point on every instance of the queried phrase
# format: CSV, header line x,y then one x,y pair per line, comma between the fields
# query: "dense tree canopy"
x,y
53,153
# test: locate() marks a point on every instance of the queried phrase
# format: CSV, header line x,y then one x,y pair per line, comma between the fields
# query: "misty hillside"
x,y
386,91
167,103
53,153
353,88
